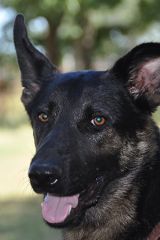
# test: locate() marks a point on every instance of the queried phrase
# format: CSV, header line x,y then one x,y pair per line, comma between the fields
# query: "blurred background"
x,y
75,34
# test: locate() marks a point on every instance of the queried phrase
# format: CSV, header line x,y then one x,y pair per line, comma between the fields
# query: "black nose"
x,y
43,178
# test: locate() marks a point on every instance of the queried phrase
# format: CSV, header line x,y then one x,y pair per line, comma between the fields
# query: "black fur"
x,y
115,167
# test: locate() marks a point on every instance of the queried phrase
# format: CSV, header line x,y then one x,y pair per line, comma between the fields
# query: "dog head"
x,y
87,125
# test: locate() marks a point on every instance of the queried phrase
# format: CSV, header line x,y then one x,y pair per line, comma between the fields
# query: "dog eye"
x,y
43,117
98,121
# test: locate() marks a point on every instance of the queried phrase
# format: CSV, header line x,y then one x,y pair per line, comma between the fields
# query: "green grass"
x,y
16,151
21,219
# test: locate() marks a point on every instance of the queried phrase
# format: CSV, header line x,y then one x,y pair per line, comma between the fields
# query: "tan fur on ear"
x,y
145,79
29,93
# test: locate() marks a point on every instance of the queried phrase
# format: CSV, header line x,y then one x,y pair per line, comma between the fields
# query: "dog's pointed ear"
x,y
34,66
140,71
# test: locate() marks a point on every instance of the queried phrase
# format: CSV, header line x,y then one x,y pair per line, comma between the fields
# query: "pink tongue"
x,y
56,209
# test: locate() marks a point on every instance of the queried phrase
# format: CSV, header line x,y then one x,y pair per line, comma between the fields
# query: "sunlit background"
x,y
75,34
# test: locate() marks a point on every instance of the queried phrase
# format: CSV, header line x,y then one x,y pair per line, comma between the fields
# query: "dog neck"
x,y
81,234
111,219
112,229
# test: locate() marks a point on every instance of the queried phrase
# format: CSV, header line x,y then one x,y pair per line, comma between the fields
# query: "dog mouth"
x,y
59,210
56,209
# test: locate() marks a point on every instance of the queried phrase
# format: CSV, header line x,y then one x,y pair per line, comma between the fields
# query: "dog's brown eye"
x,y
98,121
43,117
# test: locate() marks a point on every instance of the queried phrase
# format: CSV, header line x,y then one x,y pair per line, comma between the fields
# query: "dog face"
x,y
87,125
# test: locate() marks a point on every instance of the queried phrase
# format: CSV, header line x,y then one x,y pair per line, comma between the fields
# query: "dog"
x,y
97,159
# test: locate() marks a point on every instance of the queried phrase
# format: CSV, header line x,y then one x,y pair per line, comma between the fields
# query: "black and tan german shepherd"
x,y
97,158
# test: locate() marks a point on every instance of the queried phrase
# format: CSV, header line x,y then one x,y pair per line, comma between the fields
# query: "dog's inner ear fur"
x,y
145,81
140,72
34,66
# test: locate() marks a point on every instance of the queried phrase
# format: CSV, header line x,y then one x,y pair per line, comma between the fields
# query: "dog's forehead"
x,y
79,77
81,83
78,89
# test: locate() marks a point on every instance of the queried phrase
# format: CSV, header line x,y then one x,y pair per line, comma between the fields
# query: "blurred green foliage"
x,y
87,28
21,219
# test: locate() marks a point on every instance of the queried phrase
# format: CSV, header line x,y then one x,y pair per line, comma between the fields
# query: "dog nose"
x,y
43,178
